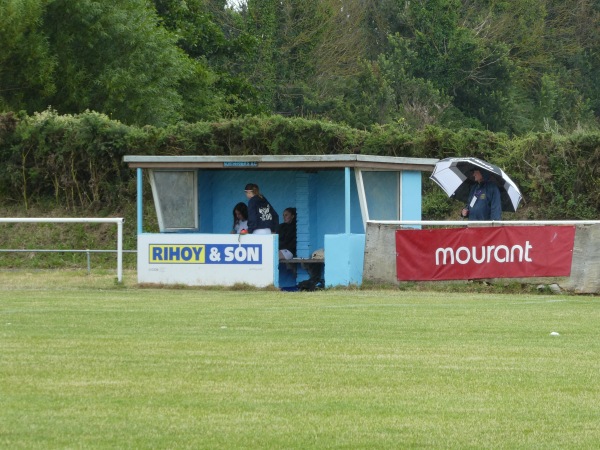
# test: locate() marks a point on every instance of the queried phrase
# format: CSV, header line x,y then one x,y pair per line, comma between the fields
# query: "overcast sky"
x,y
235,4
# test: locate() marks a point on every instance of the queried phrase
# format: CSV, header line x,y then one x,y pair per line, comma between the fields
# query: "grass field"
x,y
86,363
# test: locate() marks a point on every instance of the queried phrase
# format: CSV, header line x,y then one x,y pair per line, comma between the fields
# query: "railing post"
x,y
347,200
120,251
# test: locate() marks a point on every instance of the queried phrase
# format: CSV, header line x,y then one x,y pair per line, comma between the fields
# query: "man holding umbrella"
x,y
484,187
484,199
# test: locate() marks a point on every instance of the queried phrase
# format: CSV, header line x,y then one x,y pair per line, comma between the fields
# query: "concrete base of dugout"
x,y
380,260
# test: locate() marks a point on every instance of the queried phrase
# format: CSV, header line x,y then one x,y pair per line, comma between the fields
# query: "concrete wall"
x,y
585,271
380,259
380,254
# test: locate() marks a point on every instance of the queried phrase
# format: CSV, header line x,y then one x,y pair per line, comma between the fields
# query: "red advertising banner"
x,y
484,252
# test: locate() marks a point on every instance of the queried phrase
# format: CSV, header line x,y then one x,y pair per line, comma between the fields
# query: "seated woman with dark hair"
x,y
287,234
240,218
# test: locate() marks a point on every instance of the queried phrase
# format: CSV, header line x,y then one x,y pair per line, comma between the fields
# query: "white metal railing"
x,y
485,222
118,220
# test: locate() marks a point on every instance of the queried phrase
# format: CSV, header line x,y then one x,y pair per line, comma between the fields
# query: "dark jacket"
x,y
261,214
487,204
287,237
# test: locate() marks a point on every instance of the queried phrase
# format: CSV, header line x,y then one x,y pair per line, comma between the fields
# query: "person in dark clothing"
x,y
262,217
484,199
287,234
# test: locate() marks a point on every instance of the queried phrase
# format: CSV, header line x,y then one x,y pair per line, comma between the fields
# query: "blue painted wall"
x,y
318,197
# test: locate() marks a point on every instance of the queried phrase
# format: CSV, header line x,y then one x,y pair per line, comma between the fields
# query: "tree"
x,y
26,63
548,43
314,53
113,57
215,37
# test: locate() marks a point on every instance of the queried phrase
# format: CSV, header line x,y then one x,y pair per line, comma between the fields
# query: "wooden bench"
x,y
308,264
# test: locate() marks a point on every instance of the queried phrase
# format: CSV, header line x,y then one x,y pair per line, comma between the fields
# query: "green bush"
x,y
76,161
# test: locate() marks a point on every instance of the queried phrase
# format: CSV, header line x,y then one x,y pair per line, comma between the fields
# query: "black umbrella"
x,y
453,175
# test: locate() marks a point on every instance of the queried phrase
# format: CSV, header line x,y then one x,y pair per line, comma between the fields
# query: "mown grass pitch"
x,y
93,365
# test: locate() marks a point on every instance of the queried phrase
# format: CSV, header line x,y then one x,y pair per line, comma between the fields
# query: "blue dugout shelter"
x,y
334,195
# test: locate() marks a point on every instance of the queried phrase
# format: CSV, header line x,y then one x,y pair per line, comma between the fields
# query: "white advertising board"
x,y
207,259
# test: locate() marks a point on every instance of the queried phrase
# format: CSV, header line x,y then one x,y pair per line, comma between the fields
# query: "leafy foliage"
x,y
76,161
26,62
215,38
113,58
506,66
